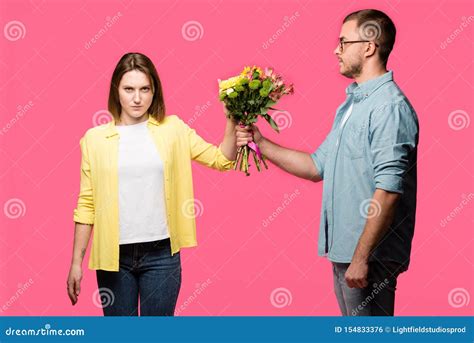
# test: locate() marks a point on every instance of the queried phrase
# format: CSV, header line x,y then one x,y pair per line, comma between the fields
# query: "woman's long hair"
x,y
136,61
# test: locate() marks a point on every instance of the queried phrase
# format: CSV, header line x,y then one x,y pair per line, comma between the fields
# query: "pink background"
x,y
60,87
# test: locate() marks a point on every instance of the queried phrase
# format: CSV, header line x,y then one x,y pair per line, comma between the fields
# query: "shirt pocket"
x,y
353,140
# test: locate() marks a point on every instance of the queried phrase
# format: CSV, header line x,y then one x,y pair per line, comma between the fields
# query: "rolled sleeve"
x,y
393,137
224,162
84,212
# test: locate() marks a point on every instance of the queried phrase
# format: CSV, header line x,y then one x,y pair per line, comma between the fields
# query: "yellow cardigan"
x,y
97,203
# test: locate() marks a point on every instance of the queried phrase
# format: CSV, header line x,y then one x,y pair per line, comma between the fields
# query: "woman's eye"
x,y
146,89
128,89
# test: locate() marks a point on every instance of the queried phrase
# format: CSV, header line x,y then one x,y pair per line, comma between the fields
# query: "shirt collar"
x,y
365,89
111,129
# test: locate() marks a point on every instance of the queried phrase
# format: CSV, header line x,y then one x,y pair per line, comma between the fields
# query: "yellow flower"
x,y
224,84
254,69
245,71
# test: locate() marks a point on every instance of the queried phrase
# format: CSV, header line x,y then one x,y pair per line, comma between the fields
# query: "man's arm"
x,y
383,205
295,162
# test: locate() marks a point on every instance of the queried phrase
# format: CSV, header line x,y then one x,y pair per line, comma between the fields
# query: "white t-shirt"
x,y
344,119
142,212
346,115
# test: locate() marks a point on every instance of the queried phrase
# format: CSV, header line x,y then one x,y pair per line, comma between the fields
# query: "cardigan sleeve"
x,y
84,212
204,152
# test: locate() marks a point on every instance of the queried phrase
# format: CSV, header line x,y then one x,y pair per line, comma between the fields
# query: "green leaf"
x,y
270,103
252,120
271,122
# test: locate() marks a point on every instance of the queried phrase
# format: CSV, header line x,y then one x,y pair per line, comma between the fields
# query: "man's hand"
x,y
375,227
295,162
247,134
356,274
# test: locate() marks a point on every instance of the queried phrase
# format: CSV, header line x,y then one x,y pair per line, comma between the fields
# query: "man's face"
x,y
351,57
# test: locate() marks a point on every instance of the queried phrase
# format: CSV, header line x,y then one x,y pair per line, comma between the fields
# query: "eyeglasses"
x,y
342,42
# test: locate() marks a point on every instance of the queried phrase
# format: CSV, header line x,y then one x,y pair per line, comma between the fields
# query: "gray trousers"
x,y
377,299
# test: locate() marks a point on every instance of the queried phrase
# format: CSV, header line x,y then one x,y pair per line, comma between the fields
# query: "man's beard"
x,y
353,70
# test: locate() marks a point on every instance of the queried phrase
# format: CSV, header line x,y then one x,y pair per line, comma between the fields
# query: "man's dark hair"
x,y
377,26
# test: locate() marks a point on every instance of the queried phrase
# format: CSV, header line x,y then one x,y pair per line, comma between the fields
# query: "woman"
x,y
136,191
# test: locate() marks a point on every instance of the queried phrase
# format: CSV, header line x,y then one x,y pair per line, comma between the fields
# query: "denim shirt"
x,y
375,148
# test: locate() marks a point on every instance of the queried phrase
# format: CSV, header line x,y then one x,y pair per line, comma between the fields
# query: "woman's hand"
x,y
226,111
247,134
74,282
228,145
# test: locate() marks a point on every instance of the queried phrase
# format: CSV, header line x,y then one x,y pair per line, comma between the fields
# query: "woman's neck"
x,y
129,120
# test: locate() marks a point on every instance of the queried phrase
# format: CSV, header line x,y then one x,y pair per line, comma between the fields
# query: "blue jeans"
x,y
147,271
377,299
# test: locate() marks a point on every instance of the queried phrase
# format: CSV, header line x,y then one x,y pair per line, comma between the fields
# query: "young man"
x,y
368,164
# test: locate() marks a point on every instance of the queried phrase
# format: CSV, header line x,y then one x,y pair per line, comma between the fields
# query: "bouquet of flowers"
x,y
248,96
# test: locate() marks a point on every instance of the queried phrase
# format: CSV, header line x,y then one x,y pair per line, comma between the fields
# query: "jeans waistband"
x,y
144,246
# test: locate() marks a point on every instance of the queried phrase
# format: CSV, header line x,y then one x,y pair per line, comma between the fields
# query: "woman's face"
x,y
135,94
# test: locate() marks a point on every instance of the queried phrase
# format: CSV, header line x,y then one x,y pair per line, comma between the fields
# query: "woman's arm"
x,y
228,145
220,158
84,219
82,233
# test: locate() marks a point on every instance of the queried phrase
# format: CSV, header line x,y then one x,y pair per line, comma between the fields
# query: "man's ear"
x,y
369,49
